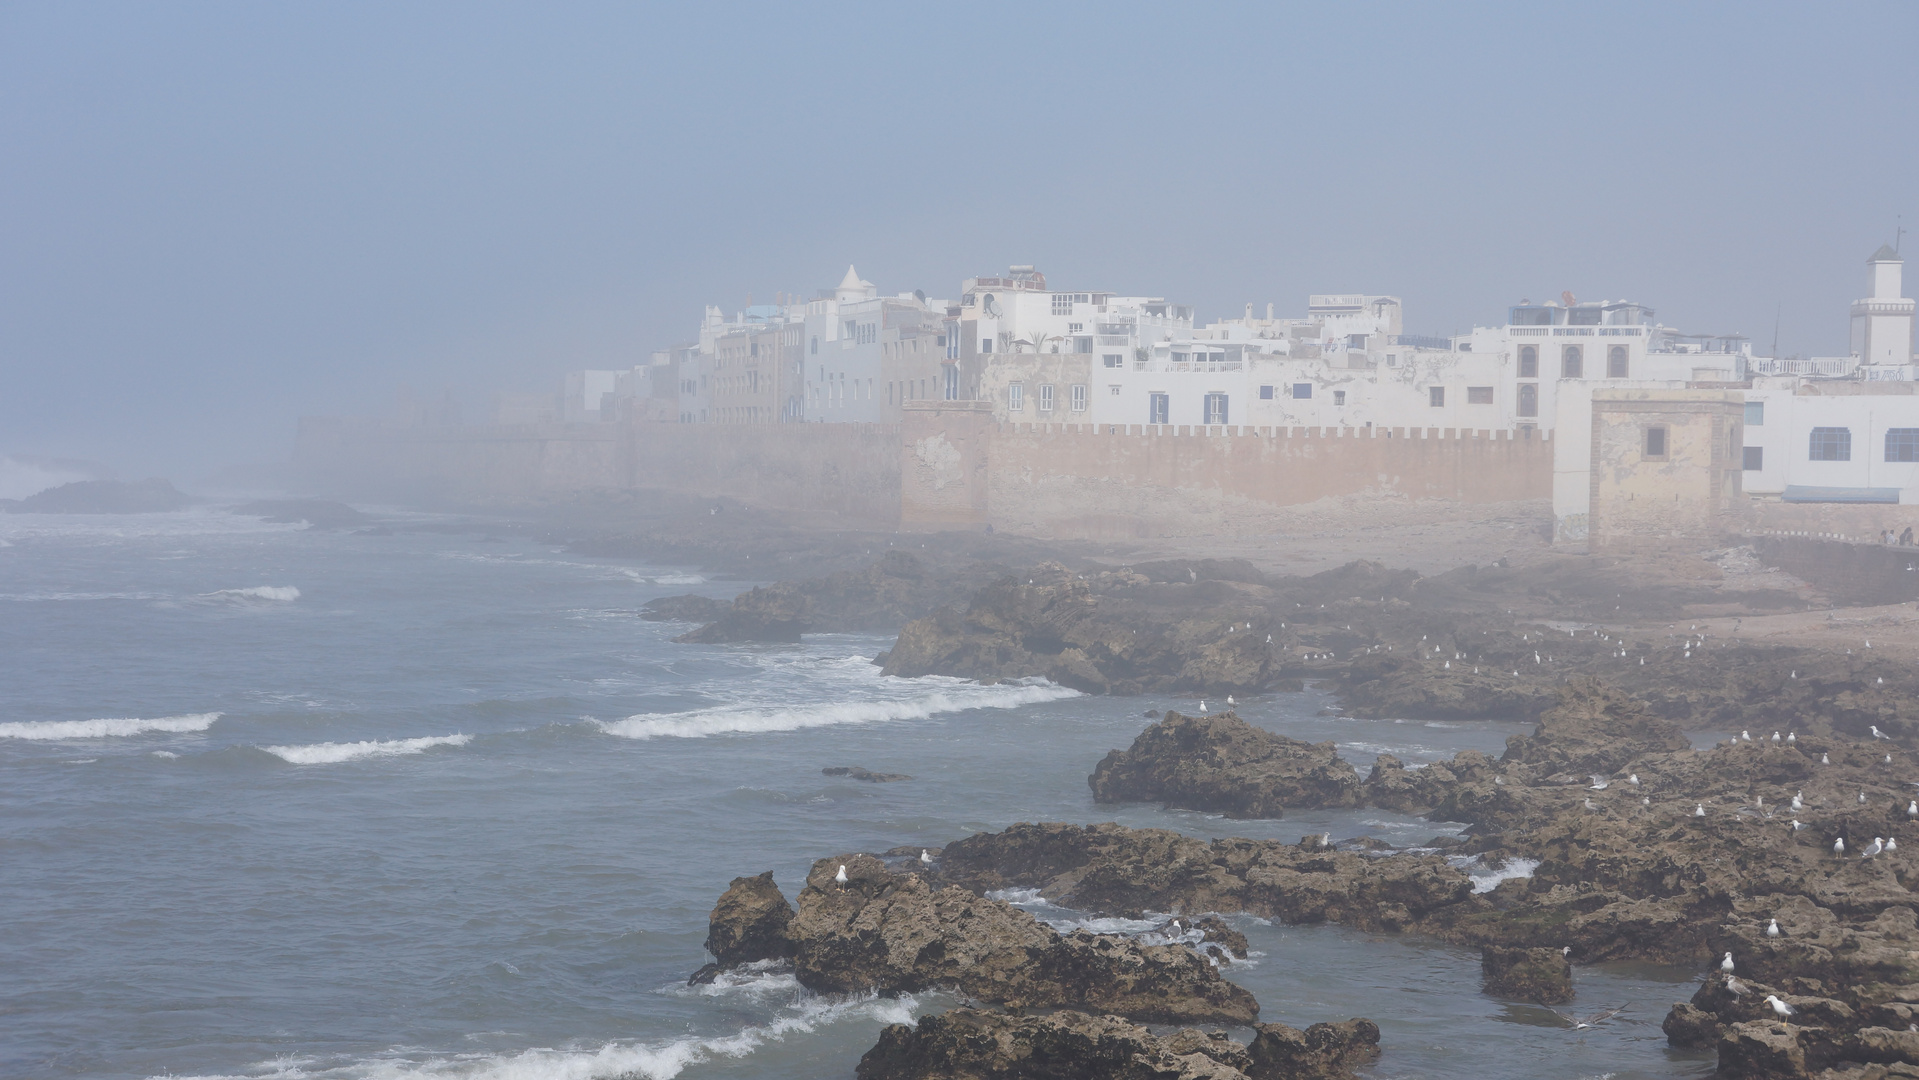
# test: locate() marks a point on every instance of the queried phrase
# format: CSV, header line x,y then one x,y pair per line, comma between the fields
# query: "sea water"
x,y
280,802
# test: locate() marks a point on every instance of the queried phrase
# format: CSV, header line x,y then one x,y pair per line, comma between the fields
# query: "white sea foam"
x,y
106,729
167,754
330,753
648,1061
1488,880
753,719
679,579
284,593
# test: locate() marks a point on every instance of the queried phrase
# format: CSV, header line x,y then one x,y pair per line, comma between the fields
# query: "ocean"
x,y
429,802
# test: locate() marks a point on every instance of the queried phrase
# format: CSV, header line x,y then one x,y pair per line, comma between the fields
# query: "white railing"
x,y
1826,366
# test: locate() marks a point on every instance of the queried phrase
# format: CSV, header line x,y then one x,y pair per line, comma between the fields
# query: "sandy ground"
x,y
1891,631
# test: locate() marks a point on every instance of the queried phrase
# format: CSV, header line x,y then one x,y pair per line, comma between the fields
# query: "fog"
x,y
219,217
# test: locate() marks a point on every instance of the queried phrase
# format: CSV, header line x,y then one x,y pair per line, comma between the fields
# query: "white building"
x,y
867,354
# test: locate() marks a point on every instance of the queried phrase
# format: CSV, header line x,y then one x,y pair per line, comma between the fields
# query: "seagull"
x,y
1825,759
1737,987
1876,733
1646,800
1600,1017
1566,951
1591,805
1792,737
1912,809
1779,1008
1230,701
1726,964
1202,704
1325,839
1839,846
1862,798
841,876
1499,781
1796,826
1775,736
1633,779
1795,675
1746,735
1699,810
925,857
1772,928
1892,844
1600,783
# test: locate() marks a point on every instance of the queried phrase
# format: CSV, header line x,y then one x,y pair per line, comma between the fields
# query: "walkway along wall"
x,y
1107,482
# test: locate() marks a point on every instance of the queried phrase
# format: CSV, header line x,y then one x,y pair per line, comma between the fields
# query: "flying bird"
x,y
1591,805
1581,1023
1600,783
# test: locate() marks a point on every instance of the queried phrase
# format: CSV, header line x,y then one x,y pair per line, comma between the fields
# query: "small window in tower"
x,y
1656,442
1754,458
1265,393
1436,396
1339,397
1479,395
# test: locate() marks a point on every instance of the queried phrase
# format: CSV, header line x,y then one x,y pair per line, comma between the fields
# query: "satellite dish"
x,y
989,306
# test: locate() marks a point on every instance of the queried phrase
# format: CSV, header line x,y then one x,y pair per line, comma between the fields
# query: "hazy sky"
x,y
217,217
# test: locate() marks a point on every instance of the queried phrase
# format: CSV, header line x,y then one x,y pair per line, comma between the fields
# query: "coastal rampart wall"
x,y
842,471
949,465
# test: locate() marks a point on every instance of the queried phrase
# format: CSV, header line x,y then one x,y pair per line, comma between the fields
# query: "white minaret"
x,y
1882,322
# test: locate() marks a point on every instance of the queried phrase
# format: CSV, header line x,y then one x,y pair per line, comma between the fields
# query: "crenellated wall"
x,y
948,465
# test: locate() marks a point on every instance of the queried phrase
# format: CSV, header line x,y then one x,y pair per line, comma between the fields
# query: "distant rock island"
x,y
150,496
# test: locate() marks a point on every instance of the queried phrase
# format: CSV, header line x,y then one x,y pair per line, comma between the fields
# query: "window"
x,y
1082,345
1075,327
1617,362
1582,316
1529,399
1112,390
1046,397
1529,361
816,344
1216,408
1392,359
1016,397
986,344
1355,341
1831,444
1265,393
1754,458
1302,391
1062,303
1532,316
1902,444
1079,397
1656,441
1157,408
889,394
1436,396
1755,414
1339,397
1114,360
1572,362
1479,395
952,382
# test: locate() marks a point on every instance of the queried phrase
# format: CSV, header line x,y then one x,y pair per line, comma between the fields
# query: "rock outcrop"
x,y
150,496
885,595
1541,976
1594,731
894,931
972,1044
749,922
1222,763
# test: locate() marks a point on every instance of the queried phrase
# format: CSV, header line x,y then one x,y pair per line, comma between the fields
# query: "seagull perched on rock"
x,y
1876,733
1645,800
1839,846
1726,964
1591,805
1796,826
1746,735
1912,809
1633,779
1878,845
1699,810
1600,783
1772,928
1737,987
1779,1008
1775,736
925,857
1797,803
1862,798
1792,736
841,876
1892,844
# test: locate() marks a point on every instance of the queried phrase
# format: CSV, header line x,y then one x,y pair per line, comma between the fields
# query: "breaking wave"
x,y
258,592
755,719
1488,880
330,753
107,729
647,1061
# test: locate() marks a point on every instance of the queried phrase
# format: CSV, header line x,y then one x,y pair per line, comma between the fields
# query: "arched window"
x,y
1529,361
1616,362
1572,362
1529,399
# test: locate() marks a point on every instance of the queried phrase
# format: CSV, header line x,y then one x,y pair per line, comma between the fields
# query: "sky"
x,y
218,217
